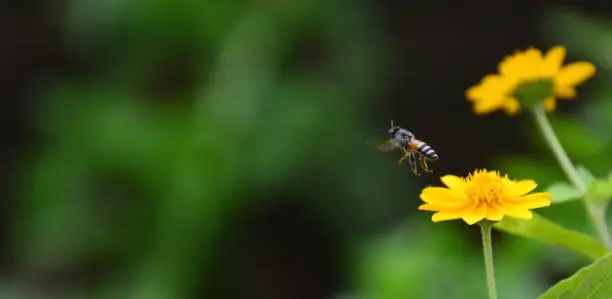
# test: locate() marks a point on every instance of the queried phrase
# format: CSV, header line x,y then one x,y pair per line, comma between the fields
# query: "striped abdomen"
x,y
424,149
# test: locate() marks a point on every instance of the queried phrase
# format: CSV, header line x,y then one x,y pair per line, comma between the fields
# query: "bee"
x,y
412,149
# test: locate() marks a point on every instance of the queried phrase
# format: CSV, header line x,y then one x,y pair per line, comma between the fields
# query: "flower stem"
x,y
557,148
595,213
487,250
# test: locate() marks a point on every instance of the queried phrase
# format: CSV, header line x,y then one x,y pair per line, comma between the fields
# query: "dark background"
x,y
163,150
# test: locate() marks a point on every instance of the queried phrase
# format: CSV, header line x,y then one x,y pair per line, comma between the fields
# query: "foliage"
x,y
190,115
544,230
590,282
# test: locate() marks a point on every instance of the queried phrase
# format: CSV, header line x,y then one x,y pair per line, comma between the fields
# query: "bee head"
x,y
393,131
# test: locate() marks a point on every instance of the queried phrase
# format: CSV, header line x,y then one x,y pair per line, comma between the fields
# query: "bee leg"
x,y
424,165
413,163
406,155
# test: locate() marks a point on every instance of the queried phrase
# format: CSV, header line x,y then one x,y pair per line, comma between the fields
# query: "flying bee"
x,y
412,149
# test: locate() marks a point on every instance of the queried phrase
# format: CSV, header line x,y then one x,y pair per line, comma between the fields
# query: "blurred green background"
x,y
217,149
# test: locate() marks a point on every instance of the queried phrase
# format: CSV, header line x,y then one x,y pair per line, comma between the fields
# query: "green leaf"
x,y
544,230
600,190
591,282
585,174
563,192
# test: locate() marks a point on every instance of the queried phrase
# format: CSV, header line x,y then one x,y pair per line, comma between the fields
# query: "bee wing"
x,y
384,145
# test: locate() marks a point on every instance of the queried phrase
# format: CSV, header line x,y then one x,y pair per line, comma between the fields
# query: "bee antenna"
x,y
392,123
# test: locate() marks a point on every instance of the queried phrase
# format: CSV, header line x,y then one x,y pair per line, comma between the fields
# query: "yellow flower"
x,y
482,195
529,68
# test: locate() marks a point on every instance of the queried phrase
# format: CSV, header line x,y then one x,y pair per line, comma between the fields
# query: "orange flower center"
x,y
484,188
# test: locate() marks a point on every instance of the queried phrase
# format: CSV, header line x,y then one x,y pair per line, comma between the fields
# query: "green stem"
x,y
487,249
557,148
596,213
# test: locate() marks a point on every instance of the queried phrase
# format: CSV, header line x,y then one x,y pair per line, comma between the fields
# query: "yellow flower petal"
x,y
455,183
442,216
443,196
445,208
478,213
490,94
495,212
553,60
511,106
574,74
482,107
531,201
431,207
476,92
507,65
522,65
550,104
565,92
486,84
533,54
519,213
520,187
